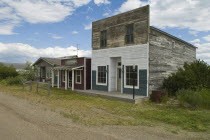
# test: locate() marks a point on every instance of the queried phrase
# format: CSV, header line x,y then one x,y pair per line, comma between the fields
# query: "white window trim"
x,y
80,77
101,84
128,86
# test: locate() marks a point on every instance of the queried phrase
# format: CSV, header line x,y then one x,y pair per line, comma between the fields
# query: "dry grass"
x,y
98,111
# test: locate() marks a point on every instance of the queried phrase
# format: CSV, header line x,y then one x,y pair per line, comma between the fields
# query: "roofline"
x,y
173,36
122,13
43,58
77,67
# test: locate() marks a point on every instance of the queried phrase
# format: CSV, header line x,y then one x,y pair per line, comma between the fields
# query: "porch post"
x,y
72,79
52,77
66,80
58,80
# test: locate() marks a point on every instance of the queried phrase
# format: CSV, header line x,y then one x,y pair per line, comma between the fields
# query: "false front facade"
x,y
128,54
73,73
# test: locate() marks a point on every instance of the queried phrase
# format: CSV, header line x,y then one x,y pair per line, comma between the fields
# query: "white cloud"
x,y
207,38
203,51
54,36
99,2
18,52
191,14
12,13
88,27
129,5
74,32
7,29
195,41
194,33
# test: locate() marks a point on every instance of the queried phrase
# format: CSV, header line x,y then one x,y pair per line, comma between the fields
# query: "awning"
x,y
68,67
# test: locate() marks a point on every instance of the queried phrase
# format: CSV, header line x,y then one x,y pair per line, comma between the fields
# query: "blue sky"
x,y
52,28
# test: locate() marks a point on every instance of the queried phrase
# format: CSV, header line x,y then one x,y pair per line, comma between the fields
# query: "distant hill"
x,y
17,66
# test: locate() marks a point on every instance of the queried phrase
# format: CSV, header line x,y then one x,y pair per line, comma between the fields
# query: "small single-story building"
x,y
73,73
44,68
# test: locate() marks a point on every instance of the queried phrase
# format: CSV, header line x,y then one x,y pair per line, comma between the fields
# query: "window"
x,y
102,74
103,38
131,76
129,34
78,77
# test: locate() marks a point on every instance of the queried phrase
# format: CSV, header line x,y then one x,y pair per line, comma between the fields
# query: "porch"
x,y
68,77
114,96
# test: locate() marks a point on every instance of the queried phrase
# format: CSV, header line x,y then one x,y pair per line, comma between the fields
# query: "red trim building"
x,y
74,73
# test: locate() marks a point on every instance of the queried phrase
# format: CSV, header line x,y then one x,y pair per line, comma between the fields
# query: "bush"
x,y
13,81
6,72
194,99
194,76
29,73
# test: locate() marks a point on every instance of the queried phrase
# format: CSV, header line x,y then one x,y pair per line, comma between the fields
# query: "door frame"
x,y
69,80
117,68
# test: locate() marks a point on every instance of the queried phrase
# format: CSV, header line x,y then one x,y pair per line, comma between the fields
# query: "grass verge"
x,y
98,111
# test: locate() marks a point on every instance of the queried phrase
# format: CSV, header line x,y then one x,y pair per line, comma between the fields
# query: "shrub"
x,y
29,73
194,76
194,99
13,80
6,72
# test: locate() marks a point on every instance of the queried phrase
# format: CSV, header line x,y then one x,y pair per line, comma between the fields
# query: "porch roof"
x,y
68,67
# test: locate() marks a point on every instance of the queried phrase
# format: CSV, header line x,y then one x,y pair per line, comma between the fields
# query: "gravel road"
x,y
21,119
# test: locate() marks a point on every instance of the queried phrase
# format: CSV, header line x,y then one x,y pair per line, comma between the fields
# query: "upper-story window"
x,y
129,34
103,38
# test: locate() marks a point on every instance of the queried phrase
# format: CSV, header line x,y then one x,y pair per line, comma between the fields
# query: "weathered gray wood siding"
x,y
46,65
116,28
165,59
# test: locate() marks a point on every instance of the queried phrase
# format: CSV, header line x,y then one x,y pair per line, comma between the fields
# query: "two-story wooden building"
x,y
73,73
127,51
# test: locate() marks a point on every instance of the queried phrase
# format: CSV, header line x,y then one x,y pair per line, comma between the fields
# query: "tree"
x,y
6,72
29,72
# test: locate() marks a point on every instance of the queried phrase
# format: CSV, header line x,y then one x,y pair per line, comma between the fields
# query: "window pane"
x,y
129,34
101,74
103,38
78,76
131,76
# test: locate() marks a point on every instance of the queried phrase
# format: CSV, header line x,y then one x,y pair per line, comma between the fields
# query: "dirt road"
x,y
24,120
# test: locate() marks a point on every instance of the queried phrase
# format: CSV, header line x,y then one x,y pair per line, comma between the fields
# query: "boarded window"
x,y
103,38
131,76
129,34
78,77
102,74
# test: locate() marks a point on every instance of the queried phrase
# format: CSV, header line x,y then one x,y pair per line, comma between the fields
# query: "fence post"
x,y
48,88
30,85
37,86
23,86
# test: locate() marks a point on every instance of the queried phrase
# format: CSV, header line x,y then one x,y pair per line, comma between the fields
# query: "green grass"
x,y
98,111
